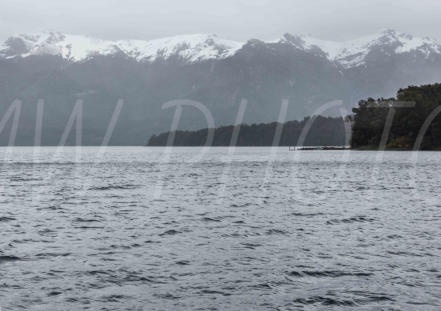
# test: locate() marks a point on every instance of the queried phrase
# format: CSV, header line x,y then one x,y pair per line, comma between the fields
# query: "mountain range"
x,y
219,73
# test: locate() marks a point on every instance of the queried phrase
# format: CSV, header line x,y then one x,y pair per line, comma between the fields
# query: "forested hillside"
x,y
324,131
420,120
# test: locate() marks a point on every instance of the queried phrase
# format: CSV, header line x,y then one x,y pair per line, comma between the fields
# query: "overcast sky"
x,y
233,19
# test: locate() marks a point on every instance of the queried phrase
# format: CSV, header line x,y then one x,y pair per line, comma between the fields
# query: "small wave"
x,y
328,273
167,296
6,219
360,188
214,292
120,276
6,258
115,298
407,254
208,219
262,286
326,301
54,293
114,187
240,205
151,242
306,214
183,263
276,232
251,245
170,232
239,222
350,220
53,255
46,232
85,220
21,179
97,272
394,236
369,298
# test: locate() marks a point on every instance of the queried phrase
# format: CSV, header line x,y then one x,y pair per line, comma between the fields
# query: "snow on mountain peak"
x,y
77,48
352,53
199,47
192,48
71,47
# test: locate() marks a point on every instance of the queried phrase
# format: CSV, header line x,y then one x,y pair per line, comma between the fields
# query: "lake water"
x,y
231,229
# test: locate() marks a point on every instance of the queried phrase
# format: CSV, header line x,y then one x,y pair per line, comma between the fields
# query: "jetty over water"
x,y
309,148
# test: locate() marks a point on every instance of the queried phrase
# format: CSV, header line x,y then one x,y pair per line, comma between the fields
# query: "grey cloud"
x,y
234,19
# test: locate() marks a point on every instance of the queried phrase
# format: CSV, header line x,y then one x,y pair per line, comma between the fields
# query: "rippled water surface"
x,y
244,229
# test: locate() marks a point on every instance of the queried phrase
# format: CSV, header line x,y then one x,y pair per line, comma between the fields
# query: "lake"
x,y
219,229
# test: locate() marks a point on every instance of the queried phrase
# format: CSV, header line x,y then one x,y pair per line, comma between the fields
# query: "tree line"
x,y
324,131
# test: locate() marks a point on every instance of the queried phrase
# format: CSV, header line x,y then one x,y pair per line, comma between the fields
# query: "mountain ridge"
x,y
202,68
203,47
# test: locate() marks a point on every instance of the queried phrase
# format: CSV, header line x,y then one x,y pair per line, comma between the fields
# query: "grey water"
x,y
219,229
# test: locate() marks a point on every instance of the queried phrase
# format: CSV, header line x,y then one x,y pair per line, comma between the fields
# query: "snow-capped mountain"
x,y
353,53
192,48
218,73
201,47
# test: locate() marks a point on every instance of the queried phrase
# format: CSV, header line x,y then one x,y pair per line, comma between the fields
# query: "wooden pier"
x,y
310,148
